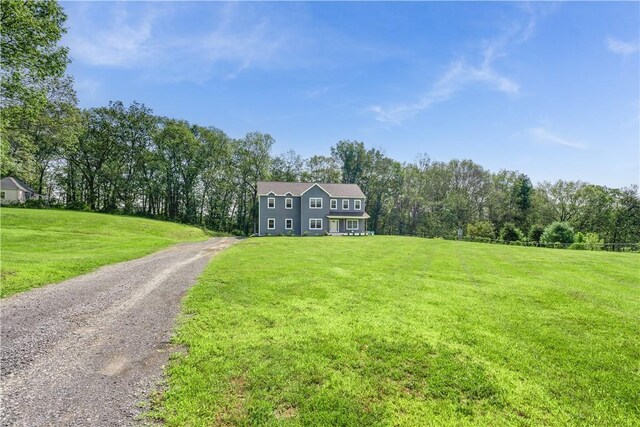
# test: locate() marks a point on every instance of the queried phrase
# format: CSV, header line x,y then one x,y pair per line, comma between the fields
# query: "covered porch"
x,y
347,223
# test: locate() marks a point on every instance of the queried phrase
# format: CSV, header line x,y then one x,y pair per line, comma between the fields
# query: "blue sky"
x,y
549,89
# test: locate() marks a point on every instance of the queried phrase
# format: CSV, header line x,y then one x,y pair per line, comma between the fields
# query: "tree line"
x,y
124,159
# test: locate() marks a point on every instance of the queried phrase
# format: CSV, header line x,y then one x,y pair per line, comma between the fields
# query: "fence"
x,y
611,247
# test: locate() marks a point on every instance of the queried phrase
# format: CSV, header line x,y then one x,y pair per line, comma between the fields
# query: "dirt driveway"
x,y
88,351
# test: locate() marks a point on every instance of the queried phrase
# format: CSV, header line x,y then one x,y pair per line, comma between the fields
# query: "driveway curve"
x,y
88,351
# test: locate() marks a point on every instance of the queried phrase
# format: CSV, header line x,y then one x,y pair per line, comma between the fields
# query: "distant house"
x,y
300,208
14,190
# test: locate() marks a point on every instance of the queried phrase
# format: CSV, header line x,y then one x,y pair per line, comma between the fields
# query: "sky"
x,y
549,89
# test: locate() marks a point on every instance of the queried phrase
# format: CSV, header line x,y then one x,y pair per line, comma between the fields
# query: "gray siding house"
x,y
301,208
14,190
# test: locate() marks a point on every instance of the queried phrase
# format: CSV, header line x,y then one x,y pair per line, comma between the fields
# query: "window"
x,y
334,204
271,202
2,195
288,224
345,204
315,203
288,203
315,224
357,204
271,223
352,224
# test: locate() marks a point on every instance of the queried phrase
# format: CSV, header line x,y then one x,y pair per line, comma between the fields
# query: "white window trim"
x,y
316,219
285,224
274,224
288,199
315,207
332,203
359,208
269,199
351,228
343,208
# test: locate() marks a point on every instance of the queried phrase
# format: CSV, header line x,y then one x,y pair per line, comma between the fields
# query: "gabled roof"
x,y
298,188
11,183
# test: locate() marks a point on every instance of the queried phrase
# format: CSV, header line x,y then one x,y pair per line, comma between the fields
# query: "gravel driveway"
x,y
87,351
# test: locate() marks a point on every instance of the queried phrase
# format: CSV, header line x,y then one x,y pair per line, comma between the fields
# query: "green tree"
x,y
352,158
32,78
29,35
287,167
321,169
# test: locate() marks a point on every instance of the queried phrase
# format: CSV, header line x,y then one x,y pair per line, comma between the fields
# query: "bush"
x,y
558,245
558,232
481,229
578,238
578,246
510,233
593,242
536,232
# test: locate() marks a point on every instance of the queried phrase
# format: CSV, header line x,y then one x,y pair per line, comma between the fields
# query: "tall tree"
x,y
32,63
352,158
287,167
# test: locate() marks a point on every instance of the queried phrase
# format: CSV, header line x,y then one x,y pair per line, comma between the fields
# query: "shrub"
x,y
558,232
578,246
510,233
536,232
578,238
593,242
481,229
558,245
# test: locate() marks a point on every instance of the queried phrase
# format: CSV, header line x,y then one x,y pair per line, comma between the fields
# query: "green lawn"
x,y
41,246
405,331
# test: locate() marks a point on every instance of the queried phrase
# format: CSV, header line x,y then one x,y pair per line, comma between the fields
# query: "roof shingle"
x,y
297,188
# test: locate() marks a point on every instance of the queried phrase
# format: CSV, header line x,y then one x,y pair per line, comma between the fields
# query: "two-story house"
x,y
301,208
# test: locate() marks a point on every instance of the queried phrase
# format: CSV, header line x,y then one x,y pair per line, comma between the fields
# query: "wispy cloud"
x,y
126,41
463,73
622,48
541,135
140,41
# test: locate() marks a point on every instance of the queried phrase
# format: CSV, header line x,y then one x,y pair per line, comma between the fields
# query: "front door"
x,y
333,226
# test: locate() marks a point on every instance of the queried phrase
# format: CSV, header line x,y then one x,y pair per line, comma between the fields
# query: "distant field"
x,y
404,331
41,246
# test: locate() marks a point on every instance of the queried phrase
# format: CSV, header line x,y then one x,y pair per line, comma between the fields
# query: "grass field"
x,y
404,331
41,246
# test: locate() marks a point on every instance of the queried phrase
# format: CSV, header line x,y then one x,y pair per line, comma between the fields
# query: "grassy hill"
x,y
405,331
45,246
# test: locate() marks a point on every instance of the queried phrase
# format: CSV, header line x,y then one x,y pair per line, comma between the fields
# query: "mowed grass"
x,y
41,246
387,331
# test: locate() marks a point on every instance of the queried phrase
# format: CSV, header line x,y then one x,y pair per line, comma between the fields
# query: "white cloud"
x,y
541,135
125,42
461,73
140,41
622,48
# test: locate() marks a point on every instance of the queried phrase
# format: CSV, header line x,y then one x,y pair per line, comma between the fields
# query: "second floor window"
x,y
315,203
288,203
334,204
271,202
357,204
345,204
